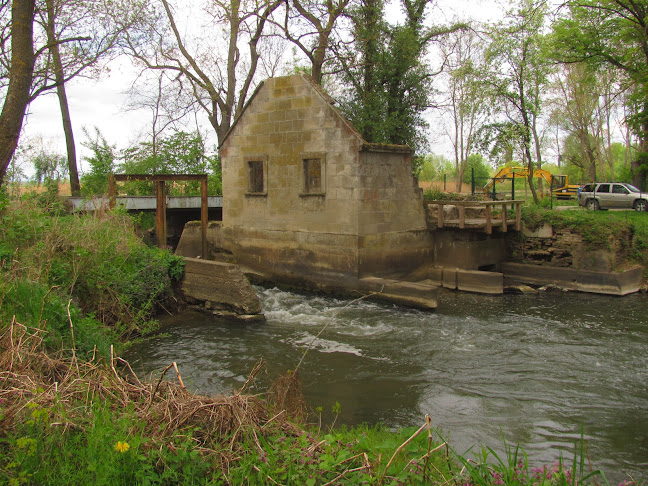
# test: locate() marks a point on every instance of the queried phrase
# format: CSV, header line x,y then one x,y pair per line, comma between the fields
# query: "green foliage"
x,y
50,168
390,83
340,458
95,260
596,227
102,164
108,448
433,167
39,306
513,469
439,195
610,34
475,164
179,153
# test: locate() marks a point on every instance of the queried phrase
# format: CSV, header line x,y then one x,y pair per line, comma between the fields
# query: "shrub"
x,y
96,260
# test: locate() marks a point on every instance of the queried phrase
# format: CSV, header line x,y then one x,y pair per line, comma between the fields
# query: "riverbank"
x,y
72,288
71,421
605,241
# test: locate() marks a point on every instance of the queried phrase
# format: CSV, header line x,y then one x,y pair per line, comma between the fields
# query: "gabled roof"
x,y
328,100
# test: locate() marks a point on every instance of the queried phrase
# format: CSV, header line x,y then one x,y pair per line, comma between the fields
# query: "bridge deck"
x,y
492,219
477,223
143,202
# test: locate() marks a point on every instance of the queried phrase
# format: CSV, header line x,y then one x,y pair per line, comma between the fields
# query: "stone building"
x,y
308,202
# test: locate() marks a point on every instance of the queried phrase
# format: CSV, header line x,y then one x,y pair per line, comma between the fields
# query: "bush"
x,y
95,260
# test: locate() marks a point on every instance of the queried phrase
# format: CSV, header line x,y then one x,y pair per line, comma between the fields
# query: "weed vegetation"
x,y
598,228
73,412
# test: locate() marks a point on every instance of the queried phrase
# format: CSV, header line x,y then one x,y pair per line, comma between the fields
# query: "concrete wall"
x,y
221,286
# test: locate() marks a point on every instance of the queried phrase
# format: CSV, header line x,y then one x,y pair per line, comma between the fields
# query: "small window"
x,y
257,169
313,174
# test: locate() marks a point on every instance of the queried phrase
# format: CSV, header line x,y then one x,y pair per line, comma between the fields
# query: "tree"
x,y
614,34
583,109
390,80
50,167
310,25
466,102
518,79
78,35
19,72
101,161
57,64
168,104
67,38
475,166
178,153
220,86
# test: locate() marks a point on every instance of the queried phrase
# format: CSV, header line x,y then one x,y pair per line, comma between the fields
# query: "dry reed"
x,y
219,424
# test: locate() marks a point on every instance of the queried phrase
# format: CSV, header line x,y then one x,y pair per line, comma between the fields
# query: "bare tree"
x,y
310,25
220,85
466,101
169,103
78,34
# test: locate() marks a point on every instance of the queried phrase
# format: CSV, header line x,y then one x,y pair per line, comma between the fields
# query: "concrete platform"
x,y
220,288
612,283
419,295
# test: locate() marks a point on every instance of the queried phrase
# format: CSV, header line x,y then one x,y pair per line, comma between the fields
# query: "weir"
x,y
310,204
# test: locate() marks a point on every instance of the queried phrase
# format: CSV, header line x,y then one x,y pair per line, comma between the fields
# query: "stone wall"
x,y
562,247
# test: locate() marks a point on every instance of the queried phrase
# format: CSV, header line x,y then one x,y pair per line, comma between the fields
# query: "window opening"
x,y
255,168
313,175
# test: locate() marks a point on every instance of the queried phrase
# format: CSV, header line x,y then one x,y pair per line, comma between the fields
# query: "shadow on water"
x,y
531,368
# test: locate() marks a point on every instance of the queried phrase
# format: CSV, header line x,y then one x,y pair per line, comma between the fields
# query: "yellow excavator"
x,y
560,186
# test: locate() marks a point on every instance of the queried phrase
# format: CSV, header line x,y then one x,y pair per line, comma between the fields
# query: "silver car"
x,y
612,195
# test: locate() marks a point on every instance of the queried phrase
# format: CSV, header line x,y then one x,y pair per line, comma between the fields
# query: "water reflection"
x,y
531,368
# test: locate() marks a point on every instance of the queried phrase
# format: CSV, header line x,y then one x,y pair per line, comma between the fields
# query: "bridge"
x,y
485,215
143,203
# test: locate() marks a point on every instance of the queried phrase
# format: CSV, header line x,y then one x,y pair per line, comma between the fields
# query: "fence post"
x,y
472,180
551,191
513,187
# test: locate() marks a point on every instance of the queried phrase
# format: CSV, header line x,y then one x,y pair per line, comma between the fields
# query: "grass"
x,y
96,262
596,227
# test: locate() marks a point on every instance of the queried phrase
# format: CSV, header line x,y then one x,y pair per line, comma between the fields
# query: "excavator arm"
x,y
558,181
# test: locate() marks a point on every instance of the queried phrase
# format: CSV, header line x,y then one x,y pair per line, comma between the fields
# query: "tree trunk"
x,y
73,171
20,79
638,165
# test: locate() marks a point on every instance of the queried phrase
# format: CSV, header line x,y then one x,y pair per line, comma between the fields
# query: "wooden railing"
x,y
487,222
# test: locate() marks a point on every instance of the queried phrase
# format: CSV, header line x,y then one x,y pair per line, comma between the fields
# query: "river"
x,y
532,369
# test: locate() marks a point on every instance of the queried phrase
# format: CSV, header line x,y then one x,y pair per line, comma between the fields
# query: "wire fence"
x,y
491,187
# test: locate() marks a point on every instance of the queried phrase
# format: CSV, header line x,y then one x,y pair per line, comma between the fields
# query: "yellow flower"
x,y
122,446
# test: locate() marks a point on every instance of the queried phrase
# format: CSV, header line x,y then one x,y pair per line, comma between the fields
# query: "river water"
x,y
533,369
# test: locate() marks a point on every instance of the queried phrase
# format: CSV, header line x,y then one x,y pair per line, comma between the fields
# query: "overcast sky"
x,y
102,103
